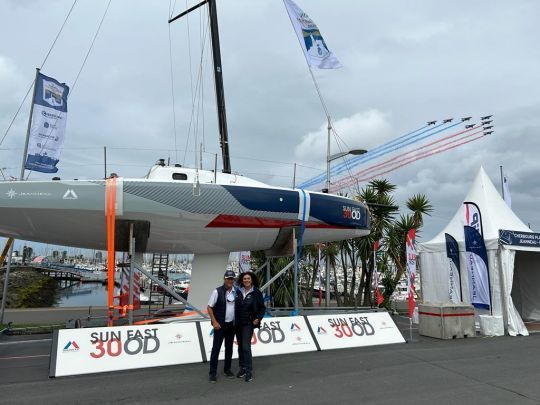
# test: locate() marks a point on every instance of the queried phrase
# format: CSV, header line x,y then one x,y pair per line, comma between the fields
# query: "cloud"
x,y
361,130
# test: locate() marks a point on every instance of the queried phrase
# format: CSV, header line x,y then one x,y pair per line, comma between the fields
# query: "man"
x,y
221,312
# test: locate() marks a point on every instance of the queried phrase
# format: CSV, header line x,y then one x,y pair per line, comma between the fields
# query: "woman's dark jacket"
x,y
246,310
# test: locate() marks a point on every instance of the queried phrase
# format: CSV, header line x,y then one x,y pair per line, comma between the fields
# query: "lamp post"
x,y
330,158
335,156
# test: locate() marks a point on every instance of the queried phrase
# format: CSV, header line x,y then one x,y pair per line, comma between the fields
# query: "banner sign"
x,y
244,261
454,271
48,125
354,330
94,350
517,238
277,335
473,217
477,268
315,50
410,251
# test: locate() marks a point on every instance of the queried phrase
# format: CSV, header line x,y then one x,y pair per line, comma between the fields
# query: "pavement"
x,y
502,370
61,315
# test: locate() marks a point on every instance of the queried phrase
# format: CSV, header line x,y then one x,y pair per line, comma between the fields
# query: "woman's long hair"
x,y
254,279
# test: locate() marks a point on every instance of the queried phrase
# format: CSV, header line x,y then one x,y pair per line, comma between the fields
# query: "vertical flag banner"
x,y
378,296
319,246
410,251
315,50
477,268
244,261
507,197
473,217
48,125
454,271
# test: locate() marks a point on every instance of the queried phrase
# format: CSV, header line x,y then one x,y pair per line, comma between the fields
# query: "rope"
x,y
42,64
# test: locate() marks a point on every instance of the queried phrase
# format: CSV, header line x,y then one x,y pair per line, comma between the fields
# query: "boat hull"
x,y
212,218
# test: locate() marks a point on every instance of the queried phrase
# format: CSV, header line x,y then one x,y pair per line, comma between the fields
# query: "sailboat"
x,y
175,209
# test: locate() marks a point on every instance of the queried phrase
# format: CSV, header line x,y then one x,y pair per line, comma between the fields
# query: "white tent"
x,y
513,270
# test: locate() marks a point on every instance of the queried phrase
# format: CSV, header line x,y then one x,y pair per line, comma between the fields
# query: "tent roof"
x,y
495,214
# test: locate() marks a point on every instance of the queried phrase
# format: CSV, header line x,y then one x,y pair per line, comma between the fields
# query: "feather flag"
x,y
315,50
410,251
378,296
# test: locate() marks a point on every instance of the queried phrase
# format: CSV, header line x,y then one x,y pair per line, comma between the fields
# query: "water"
x,y
83,295
93,294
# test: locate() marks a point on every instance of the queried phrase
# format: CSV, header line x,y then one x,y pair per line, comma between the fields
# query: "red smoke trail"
x,y
394,159
350,181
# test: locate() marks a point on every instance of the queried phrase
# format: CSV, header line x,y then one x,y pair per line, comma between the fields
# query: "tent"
x,y
514,267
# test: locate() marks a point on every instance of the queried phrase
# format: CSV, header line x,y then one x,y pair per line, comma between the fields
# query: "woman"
x,y
249,311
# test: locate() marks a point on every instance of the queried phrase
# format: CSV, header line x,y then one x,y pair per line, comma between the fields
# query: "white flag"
x,y
507,198
311,40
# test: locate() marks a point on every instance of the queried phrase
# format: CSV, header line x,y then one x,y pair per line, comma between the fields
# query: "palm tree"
x,y
396,237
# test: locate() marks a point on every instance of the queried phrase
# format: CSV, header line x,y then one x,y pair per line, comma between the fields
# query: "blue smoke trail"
x,y
391,146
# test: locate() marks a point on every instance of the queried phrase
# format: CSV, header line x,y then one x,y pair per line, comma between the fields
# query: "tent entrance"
x,y
526,288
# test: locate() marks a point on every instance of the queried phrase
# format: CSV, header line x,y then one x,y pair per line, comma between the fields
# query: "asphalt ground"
x,y
503,370
61,315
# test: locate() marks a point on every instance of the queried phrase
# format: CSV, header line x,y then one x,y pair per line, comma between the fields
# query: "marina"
x,y
361,179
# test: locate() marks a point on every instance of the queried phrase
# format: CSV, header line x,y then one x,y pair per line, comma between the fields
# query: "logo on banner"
x,y
11,193
132,342
321,331
295,327
178,338
52,94
71,346
352,326
269,332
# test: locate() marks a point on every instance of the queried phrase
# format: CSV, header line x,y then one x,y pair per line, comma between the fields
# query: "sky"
x,y
404,63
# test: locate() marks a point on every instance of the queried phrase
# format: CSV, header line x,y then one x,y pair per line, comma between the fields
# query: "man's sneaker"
x,y
248,377
229,374
212,378
241,374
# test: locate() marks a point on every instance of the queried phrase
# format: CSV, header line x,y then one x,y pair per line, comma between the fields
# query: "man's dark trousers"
x,y
226,332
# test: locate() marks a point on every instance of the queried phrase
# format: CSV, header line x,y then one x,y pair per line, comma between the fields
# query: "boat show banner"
x,y
477,268
518,238
48,127
279,335
454,271
340,331
95,350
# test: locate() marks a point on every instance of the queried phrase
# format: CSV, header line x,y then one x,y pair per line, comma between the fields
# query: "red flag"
x,y
379,296
376,245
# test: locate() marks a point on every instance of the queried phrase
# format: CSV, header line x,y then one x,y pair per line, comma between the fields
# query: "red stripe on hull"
x,y
237,221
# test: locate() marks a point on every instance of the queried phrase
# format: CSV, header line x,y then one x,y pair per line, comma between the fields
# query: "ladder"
x,y
160,266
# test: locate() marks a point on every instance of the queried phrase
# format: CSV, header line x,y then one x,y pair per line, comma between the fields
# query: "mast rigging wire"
x,y
82,67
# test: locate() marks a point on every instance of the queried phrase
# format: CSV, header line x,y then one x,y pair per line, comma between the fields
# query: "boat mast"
x,y
218,79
